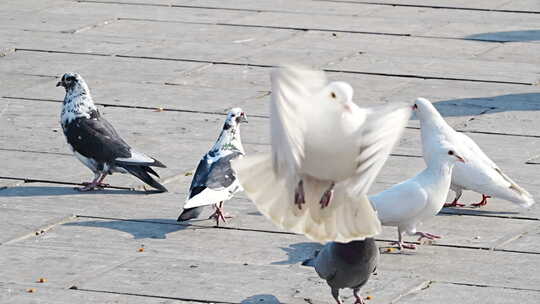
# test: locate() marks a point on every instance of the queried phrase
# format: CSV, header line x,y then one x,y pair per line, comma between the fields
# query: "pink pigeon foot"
x,y
358,297
219,214
483,202
427,235
401,245
454,203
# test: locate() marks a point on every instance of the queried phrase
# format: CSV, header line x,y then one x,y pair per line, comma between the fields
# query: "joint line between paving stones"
x,y
40,230
415,288
306,29
490,215
153,296
253,115
489,286
425,77
34,151
32,180
433,6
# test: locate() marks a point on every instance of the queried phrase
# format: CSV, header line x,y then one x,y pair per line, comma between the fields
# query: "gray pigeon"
x,y
346,265
96,143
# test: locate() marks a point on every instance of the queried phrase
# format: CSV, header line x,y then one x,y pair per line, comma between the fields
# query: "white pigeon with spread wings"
x,y
409,203
479,173
326,153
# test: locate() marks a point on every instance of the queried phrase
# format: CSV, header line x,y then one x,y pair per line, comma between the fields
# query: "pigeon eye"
x,y
450,152
333,95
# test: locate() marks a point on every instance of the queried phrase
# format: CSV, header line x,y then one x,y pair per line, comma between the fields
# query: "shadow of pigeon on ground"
x,y
299,252
29,191
139,228
509,36
483,105
261,298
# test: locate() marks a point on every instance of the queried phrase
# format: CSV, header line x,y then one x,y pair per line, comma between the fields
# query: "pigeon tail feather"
x,y
141,172
346,218
190,213
208,197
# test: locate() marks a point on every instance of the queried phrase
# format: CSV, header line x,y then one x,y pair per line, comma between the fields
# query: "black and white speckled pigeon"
x,y
346,265
214,180
95,142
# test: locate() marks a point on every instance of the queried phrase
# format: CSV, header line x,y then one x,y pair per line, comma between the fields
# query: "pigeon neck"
x,y
77,103
229,139
440,167
430,117
352,252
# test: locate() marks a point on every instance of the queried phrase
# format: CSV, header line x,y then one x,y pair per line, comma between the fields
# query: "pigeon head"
x,y
424,108
448,153
73,82
234,118
340,93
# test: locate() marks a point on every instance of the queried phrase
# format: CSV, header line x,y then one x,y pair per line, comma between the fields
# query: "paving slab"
x,y
438,292
60,268
15,223
11,293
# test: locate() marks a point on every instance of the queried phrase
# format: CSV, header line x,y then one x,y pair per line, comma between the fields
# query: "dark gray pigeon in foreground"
x,y
214,180
95,142
346,265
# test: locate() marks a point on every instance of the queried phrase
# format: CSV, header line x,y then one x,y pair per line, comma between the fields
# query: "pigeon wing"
x,y
379,134
95,138
292,90
213,182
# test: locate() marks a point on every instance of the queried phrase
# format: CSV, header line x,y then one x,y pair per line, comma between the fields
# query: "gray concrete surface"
x,y
476,60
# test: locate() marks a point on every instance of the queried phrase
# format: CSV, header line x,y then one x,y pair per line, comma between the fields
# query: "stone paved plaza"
x,y
164,72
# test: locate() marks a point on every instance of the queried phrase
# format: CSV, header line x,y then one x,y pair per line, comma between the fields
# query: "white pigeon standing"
x,y
214,180
409,203
326,153
95,142
479,174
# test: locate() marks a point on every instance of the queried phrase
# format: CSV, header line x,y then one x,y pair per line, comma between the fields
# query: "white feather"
x,y
345,219
211,197
137,157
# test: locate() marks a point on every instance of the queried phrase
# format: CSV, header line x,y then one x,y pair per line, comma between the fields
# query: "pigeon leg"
x,y
400,244
299,198
427,235
90,186
358,297
335,294
483,202
327,196
455,202
100,183
219,214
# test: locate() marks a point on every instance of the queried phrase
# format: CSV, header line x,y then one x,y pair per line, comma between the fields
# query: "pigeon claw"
x,y
402,245
327,196
426,235
219,214
454,203
299,197
357,296
483,202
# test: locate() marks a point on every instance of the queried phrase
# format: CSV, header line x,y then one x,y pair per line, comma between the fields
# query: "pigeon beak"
x,y
59,84
415,107
243,117
460,159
